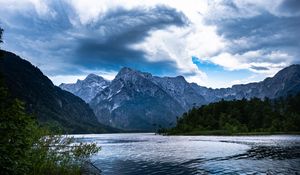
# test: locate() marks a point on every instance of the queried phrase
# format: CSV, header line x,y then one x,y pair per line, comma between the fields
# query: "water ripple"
x,y
139,154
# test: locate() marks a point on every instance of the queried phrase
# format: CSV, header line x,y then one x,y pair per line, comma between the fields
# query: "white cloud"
x,y
228,61
176,45
39,6
89,11
267,63
180,44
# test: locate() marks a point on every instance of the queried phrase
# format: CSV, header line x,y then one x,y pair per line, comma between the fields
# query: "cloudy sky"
x,y
212,43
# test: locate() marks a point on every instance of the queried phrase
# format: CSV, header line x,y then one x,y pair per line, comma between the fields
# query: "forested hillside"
x,y
241,116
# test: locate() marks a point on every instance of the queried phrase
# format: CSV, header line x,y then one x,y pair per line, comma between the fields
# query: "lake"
x,y
147,153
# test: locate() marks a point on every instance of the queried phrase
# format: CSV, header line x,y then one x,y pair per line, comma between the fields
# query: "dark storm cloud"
x,y
118,29
263,30
68,46
290,6
259,68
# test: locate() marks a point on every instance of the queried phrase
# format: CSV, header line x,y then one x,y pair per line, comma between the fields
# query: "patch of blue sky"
x,y
216,73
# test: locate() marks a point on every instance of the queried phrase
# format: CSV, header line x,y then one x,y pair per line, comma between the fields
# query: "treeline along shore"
x,y
241,117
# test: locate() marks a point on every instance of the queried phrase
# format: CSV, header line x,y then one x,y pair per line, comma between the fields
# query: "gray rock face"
x,y
182,91
88,88
138,101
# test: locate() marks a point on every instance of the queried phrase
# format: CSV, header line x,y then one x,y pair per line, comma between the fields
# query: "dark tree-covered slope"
x,y
47,102
239,116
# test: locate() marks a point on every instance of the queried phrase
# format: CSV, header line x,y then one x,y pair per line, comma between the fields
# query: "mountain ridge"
x,y
47,102
269,87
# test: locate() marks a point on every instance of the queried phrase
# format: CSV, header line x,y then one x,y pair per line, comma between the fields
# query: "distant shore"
x,y
224,133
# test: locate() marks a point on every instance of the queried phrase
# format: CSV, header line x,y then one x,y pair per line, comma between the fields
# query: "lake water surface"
x,y
145,153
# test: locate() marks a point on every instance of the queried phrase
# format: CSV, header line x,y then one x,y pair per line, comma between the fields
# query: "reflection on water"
x,y
153,154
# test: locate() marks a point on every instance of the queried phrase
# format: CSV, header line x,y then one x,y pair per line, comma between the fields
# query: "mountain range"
x,y
48,103
132,101
137,100
285,82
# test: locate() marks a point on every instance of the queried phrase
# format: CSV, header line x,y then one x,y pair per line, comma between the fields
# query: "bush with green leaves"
x,y
60,155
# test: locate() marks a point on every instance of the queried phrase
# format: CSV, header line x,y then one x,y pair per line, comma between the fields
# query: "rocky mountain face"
x,y
137,100
47,102
180,90
88,88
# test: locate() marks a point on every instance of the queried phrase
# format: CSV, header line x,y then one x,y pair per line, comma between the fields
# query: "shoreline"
x,y
216,133
202,133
